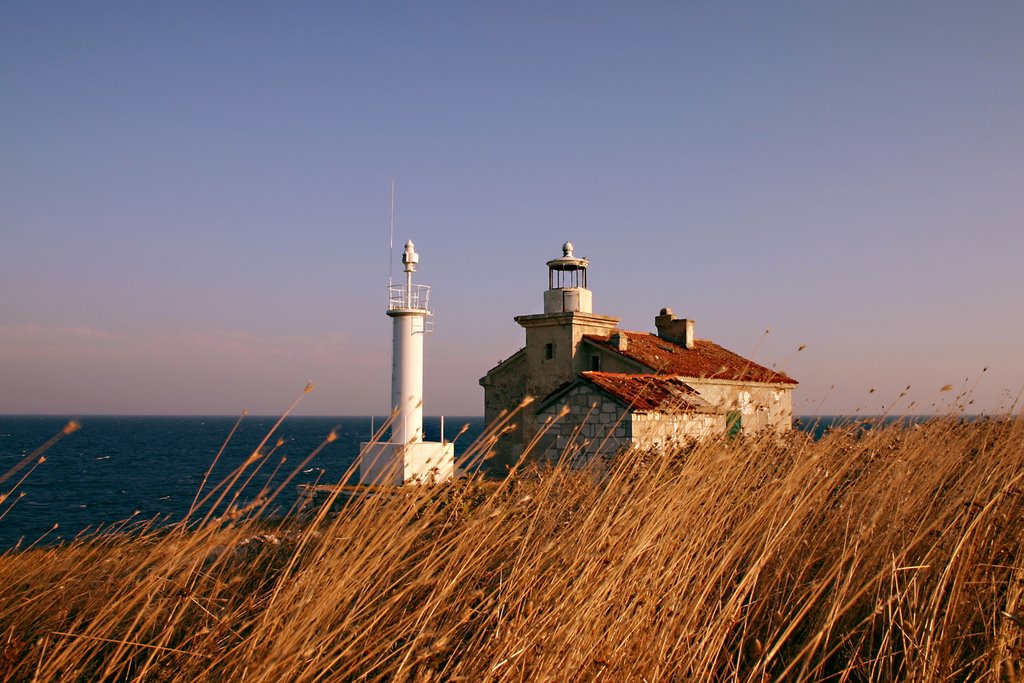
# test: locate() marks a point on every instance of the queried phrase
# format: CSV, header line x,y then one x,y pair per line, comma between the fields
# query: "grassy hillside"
x,y
866,556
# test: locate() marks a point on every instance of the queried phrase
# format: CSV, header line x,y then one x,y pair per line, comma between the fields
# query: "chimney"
x,y
620,341
673,329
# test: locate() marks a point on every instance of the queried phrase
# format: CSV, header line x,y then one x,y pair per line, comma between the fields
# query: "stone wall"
x,y
504,389
651,430
761,406
598,425
594,424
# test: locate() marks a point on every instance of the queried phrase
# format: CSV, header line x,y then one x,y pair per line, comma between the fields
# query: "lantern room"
x,y
567,284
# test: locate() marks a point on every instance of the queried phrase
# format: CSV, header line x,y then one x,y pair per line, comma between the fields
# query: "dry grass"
x,y
890,554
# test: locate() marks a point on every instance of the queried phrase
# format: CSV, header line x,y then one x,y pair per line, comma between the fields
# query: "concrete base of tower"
x,y
418,462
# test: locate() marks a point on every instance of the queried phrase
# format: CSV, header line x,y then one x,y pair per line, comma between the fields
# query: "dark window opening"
x,y
595,363
549,351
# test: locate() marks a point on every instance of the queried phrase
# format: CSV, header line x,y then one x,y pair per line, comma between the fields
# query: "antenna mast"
x,y
391,236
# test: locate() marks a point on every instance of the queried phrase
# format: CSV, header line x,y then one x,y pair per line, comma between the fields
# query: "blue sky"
x,y
194,196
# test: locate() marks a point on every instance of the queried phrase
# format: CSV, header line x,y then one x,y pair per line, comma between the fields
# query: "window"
x,y
549,351
595,362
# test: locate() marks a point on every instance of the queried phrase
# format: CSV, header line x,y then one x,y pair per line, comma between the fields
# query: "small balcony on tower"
x,y
409,297
412,299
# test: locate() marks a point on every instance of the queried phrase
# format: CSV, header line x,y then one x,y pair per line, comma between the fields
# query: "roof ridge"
x,y
706,360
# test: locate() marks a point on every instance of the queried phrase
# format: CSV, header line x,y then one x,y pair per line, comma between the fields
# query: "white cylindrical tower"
x,y
408,308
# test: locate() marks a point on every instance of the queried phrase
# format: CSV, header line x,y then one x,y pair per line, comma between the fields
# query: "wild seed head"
x,y
946,387
309,388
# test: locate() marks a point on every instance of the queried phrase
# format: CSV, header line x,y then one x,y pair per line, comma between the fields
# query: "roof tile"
x,y
646,393
706,360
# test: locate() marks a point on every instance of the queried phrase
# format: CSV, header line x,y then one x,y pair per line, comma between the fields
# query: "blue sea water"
x,y
116,468
144,468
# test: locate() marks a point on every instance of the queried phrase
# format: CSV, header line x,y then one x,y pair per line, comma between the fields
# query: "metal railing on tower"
x,y
415,297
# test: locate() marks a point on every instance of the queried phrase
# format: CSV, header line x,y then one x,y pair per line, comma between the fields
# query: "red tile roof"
x,y
645,393
706,360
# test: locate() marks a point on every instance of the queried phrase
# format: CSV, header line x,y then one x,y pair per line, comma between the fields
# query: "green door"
x,y
734,423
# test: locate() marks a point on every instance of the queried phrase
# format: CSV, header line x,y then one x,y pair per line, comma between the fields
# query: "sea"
x,y
114,473
138,470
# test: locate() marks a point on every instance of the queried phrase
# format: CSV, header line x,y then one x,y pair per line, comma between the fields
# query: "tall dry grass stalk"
x,y
891,554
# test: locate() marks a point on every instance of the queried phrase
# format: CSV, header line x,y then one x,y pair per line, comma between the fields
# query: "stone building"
x,y
599,389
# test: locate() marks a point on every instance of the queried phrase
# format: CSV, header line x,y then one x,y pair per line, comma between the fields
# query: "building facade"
x,y
599,389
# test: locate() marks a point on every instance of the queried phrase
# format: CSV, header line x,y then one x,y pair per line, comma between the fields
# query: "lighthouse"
x,y
406,457
407,307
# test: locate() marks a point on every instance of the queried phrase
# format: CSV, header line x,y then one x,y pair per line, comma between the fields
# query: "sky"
x,y
195,196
